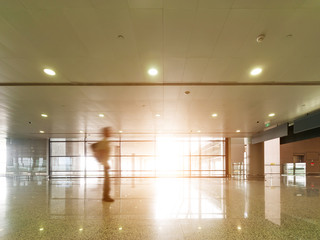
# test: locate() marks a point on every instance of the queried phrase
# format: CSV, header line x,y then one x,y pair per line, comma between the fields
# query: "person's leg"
x,y
106,186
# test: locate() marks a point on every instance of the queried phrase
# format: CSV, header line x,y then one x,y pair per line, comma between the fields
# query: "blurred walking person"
x,y
101,152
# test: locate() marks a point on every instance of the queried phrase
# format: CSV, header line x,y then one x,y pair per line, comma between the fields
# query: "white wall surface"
x,y
272,156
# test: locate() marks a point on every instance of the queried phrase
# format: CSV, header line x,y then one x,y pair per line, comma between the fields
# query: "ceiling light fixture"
x,y
49,72
120,131
44,115
152,72
260,38
214,115
157,115
271,114
41,131
101,115
238,131
256,71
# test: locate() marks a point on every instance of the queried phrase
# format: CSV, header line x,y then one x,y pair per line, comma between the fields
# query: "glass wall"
x,y
26,157
141,155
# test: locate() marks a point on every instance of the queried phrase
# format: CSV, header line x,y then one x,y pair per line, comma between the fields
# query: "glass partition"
x,y
145,155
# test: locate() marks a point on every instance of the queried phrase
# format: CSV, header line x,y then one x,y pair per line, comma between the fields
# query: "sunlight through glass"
x,y
168,155
3,156
176,199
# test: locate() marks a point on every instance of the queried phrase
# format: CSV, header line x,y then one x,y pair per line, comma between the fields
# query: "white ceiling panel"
x,y
12,4
309,4
207,27
145,3
48,4
147,26
180,4
215,4
178,26
101,52
88,70
173,69
235,32
253,4
110,4
291,32
216,69
302,69
77,108
28,70
91,31
58,33
193,69
131,70
12,38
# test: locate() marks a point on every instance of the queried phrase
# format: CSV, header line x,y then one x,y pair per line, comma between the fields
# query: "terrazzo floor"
x,y
161,208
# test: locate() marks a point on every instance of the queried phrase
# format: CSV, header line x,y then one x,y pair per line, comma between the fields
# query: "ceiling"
x,y
101,52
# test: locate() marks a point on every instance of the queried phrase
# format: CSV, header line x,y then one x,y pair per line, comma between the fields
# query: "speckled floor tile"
x,y
278,208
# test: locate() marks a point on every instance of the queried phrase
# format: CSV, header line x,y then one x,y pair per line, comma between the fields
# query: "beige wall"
x,y
309,149
256,159
236,150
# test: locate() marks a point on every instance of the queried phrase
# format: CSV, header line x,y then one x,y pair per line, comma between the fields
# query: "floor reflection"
x,y
151,198
163,208
272,198
184,200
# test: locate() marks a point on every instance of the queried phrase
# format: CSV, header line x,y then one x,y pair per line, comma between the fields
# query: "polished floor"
x,y
168,208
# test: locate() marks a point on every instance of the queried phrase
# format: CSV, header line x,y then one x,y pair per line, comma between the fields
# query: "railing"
x,y
238,170
294,168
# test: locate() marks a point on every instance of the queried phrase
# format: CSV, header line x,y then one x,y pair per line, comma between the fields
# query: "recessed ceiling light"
x,y
157,115
214,115
101,115
238,131
44,115
41,131
199,131
120,131
271,114
81,131
49,71
260,38
256,71
153,72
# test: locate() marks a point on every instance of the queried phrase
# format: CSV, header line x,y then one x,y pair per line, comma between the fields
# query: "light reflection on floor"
x,y
183,200
163,208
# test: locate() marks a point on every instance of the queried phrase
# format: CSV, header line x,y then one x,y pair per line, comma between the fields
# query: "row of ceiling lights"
x,y
154,71
48,71
157,115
